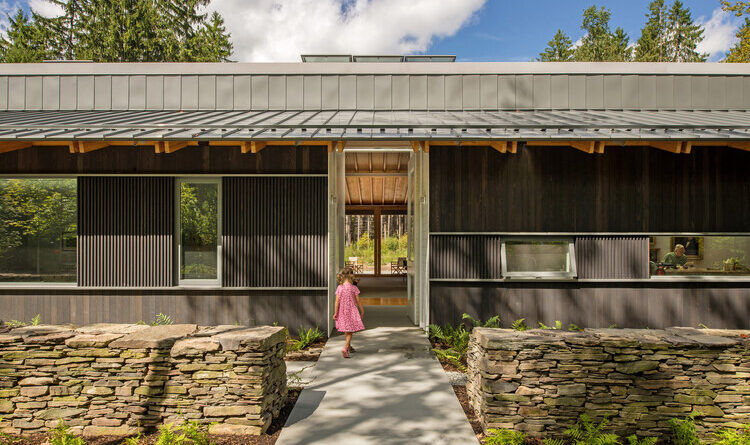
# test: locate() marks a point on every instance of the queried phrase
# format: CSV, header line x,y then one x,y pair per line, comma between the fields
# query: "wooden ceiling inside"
x,y
377,178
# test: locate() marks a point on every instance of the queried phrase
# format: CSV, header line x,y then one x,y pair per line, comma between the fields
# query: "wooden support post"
x,y
600,147
426,146
87,147
416,145
255,147
513,147
377,251
340,146
173,146
584,146
7,146
501,146
245,147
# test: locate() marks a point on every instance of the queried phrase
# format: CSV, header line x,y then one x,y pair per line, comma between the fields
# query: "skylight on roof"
x,y
345,58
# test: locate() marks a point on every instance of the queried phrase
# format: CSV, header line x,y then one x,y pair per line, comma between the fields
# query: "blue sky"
x,y
518,30
473,30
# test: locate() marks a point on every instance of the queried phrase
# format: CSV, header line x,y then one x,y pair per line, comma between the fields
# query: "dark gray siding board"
x,y
274,232
612,257
125,231
465,256
205,307
640,305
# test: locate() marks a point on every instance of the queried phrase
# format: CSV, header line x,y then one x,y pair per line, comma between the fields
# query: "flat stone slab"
x,y
154,337
92,340
194,346
262,337
111,328
388,392
39,330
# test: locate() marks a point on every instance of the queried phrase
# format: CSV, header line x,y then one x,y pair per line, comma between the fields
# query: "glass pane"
x,y
393,244
38,230
359,252
199,230
537,256
699,255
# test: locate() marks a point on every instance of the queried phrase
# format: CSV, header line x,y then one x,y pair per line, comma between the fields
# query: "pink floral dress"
x,y
348,319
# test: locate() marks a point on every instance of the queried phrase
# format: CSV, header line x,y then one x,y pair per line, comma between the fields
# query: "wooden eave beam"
x,y
89,146
739,145
501,146
13,146
589,147
417,145
670,146
173,146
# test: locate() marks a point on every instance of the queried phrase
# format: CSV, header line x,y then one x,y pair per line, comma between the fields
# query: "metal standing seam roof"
x,y
374,125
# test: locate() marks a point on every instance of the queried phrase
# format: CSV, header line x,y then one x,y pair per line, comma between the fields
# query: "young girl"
x,y
349,310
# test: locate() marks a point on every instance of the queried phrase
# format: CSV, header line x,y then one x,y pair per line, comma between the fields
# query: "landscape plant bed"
x,y
269,438
447,364
309,354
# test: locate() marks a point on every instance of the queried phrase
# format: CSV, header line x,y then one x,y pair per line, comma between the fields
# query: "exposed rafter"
x,y
89,146
173,146
13,146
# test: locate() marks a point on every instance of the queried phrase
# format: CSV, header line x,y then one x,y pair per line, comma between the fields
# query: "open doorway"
x,y
377,234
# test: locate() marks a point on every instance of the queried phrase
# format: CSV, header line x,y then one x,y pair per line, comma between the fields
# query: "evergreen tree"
x,y
652,45
740,52
739,8
213,41
684,35
600,44
24,43
559,49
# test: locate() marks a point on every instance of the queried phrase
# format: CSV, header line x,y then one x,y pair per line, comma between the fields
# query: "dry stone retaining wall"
x,y
108,379
540,381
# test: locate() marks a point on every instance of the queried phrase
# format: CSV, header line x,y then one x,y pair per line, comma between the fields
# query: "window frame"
x,y
572,274
47,284
714,278
192,282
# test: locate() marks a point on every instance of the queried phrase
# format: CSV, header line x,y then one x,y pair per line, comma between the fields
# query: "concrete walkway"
x,y
392,391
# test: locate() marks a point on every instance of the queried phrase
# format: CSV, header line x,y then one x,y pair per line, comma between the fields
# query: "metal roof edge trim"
x,y
436,68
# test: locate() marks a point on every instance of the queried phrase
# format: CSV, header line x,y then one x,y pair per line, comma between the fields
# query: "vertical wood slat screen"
x,y
612,257
125,231
465,256
274,231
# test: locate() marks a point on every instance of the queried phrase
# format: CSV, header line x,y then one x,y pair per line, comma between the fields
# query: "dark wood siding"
x,y
639,305
204,307
275,231
612,257
189,160
551,189
465,256
125,231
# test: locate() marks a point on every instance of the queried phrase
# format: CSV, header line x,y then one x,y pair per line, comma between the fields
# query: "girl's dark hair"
x,y
346,274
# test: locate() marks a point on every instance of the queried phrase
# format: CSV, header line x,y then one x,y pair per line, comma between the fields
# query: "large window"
x,y
199,235
538,258
38,230
359,250
693,255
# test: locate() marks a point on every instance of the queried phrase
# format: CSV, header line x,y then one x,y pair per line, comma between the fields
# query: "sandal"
x,y
351,349
345,353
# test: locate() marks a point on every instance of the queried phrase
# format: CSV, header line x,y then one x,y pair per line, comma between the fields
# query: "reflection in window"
x,y
38,230
699,255
199,202
538,258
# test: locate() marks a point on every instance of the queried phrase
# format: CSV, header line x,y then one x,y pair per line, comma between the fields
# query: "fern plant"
x,y
450,356
61,435
586,432
36,320
520,325
196,433
574,327
504,437
168,435
553,442
558,325
306,338
633,440
135,440
683,431
162,320
492,322
13,324
731,436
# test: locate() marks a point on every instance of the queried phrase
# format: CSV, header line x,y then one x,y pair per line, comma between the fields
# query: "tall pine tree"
x,y
600,44
670,35
740,52
24,43
652,45
559,49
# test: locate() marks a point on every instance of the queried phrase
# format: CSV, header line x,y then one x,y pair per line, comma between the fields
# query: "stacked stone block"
x,y
120,379
540,381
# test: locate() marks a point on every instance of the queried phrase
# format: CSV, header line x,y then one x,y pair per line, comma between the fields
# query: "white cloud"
x,y
6,9
45,8
719,33
281,30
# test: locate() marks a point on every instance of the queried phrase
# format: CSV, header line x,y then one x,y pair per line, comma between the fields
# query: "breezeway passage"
x,y
392,391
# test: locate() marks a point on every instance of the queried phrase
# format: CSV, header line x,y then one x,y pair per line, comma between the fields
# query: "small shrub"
x,y
135,440
574,328
451,356
306,338
162,320
456,338
585,432
61,435
504,437
558,325
520,325
492,322
633,440
683,431
553,441
196,433
36,320
168,435
731,436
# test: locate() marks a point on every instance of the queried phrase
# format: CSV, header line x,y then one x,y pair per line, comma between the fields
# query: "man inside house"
x,y
678,259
